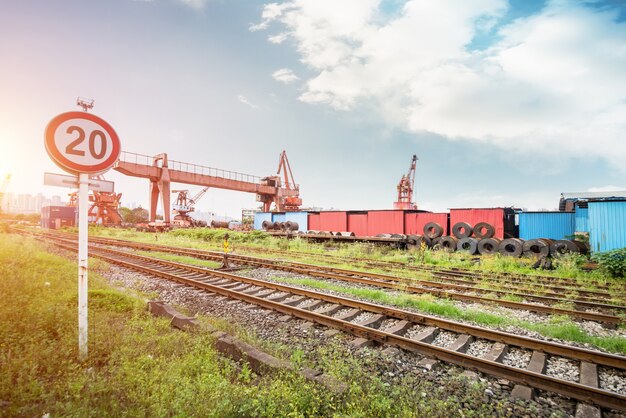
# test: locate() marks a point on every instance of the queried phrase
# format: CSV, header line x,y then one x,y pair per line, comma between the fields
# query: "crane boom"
x,y
3,190
405,188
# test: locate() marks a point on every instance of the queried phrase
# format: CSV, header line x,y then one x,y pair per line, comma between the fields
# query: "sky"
x,y
506,103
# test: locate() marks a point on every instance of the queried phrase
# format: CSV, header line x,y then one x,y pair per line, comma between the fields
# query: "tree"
x,y
134,216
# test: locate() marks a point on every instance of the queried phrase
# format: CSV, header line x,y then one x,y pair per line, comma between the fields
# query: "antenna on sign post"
x,y
86,104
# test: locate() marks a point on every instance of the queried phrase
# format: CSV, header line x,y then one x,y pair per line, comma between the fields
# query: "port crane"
x,y
103,206
184,206
161,172
3,189
405,188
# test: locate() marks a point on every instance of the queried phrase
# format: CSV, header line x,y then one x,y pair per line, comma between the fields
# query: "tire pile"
x,y
480,240
288,226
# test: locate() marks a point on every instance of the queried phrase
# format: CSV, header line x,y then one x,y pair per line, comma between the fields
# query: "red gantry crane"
x,y
161,171
3,190
405,188
184,206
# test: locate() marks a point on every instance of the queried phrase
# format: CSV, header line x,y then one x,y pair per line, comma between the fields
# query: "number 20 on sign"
x,y
82,144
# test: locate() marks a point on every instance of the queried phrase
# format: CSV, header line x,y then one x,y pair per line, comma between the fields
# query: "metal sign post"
x,y
81,144
83,245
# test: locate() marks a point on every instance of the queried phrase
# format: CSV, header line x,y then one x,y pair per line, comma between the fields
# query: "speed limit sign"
x,y
80,142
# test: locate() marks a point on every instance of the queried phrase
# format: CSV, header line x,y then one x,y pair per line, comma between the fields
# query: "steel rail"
x,y
570,389
576,353
340,274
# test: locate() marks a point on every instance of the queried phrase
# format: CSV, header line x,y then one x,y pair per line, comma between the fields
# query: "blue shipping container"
x,y
279,217
259,217
607,226
553,225
582,220
301,218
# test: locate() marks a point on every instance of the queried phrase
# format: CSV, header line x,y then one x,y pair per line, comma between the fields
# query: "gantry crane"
x,y
184,205
103,206
292,203
405,188
3,189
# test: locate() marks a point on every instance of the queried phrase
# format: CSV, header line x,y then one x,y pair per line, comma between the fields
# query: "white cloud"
x,y
244,100
278,39
285,75
608,188
551,84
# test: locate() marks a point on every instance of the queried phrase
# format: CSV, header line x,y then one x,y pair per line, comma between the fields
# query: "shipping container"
x,y
414,221
582,220
607,225
259,217
55,217
313,220
278,217
301,218
502,219
385,222
336,221
553,225
357,223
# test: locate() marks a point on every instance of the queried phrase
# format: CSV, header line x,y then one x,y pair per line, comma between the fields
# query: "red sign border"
x,y
68,165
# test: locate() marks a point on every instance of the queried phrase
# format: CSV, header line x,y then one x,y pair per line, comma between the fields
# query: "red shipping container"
x,y
493,216
357,223
314,221
414,222
334,221
385,222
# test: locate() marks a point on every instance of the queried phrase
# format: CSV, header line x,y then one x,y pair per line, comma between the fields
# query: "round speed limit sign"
x,y
80,142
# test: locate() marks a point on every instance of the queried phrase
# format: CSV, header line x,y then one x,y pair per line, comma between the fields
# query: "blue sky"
x,y
505,103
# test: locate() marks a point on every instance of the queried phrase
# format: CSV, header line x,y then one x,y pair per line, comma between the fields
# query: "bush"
x,y
612,262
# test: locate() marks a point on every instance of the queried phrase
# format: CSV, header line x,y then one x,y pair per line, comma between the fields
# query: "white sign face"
x,y
80,142
63,180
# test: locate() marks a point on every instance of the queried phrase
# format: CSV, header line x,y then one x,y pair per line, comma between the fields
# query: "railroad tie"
x,y
461,344
331,309
588,377
497,352
400,328
537,364
296,301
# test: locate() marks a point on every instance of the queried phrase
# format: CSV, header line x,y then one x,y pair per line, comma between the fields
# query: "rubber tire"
x,y
434,243
490,231
412,239
467,230
536,248
267,225
383,236
467,245
427,241
511,247
563,246
448,243
437,230
488,246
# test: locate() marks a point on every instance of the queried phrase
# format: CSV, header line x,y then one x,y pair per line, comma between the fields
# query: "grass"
x,y
181,259
558,326
140,366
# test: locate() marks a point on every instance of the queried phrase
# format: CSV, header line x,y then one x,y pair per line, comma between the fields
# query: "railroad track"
x,y
609,314
404,329
551,282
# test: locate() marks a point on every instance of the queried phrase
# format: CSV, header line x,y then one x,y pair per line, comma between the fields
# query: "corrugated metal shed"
x,y
582,219
502,219
334,221
554,225
259,217
314,221
278,217
300,217
414,222
385,222
357,223
607,225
